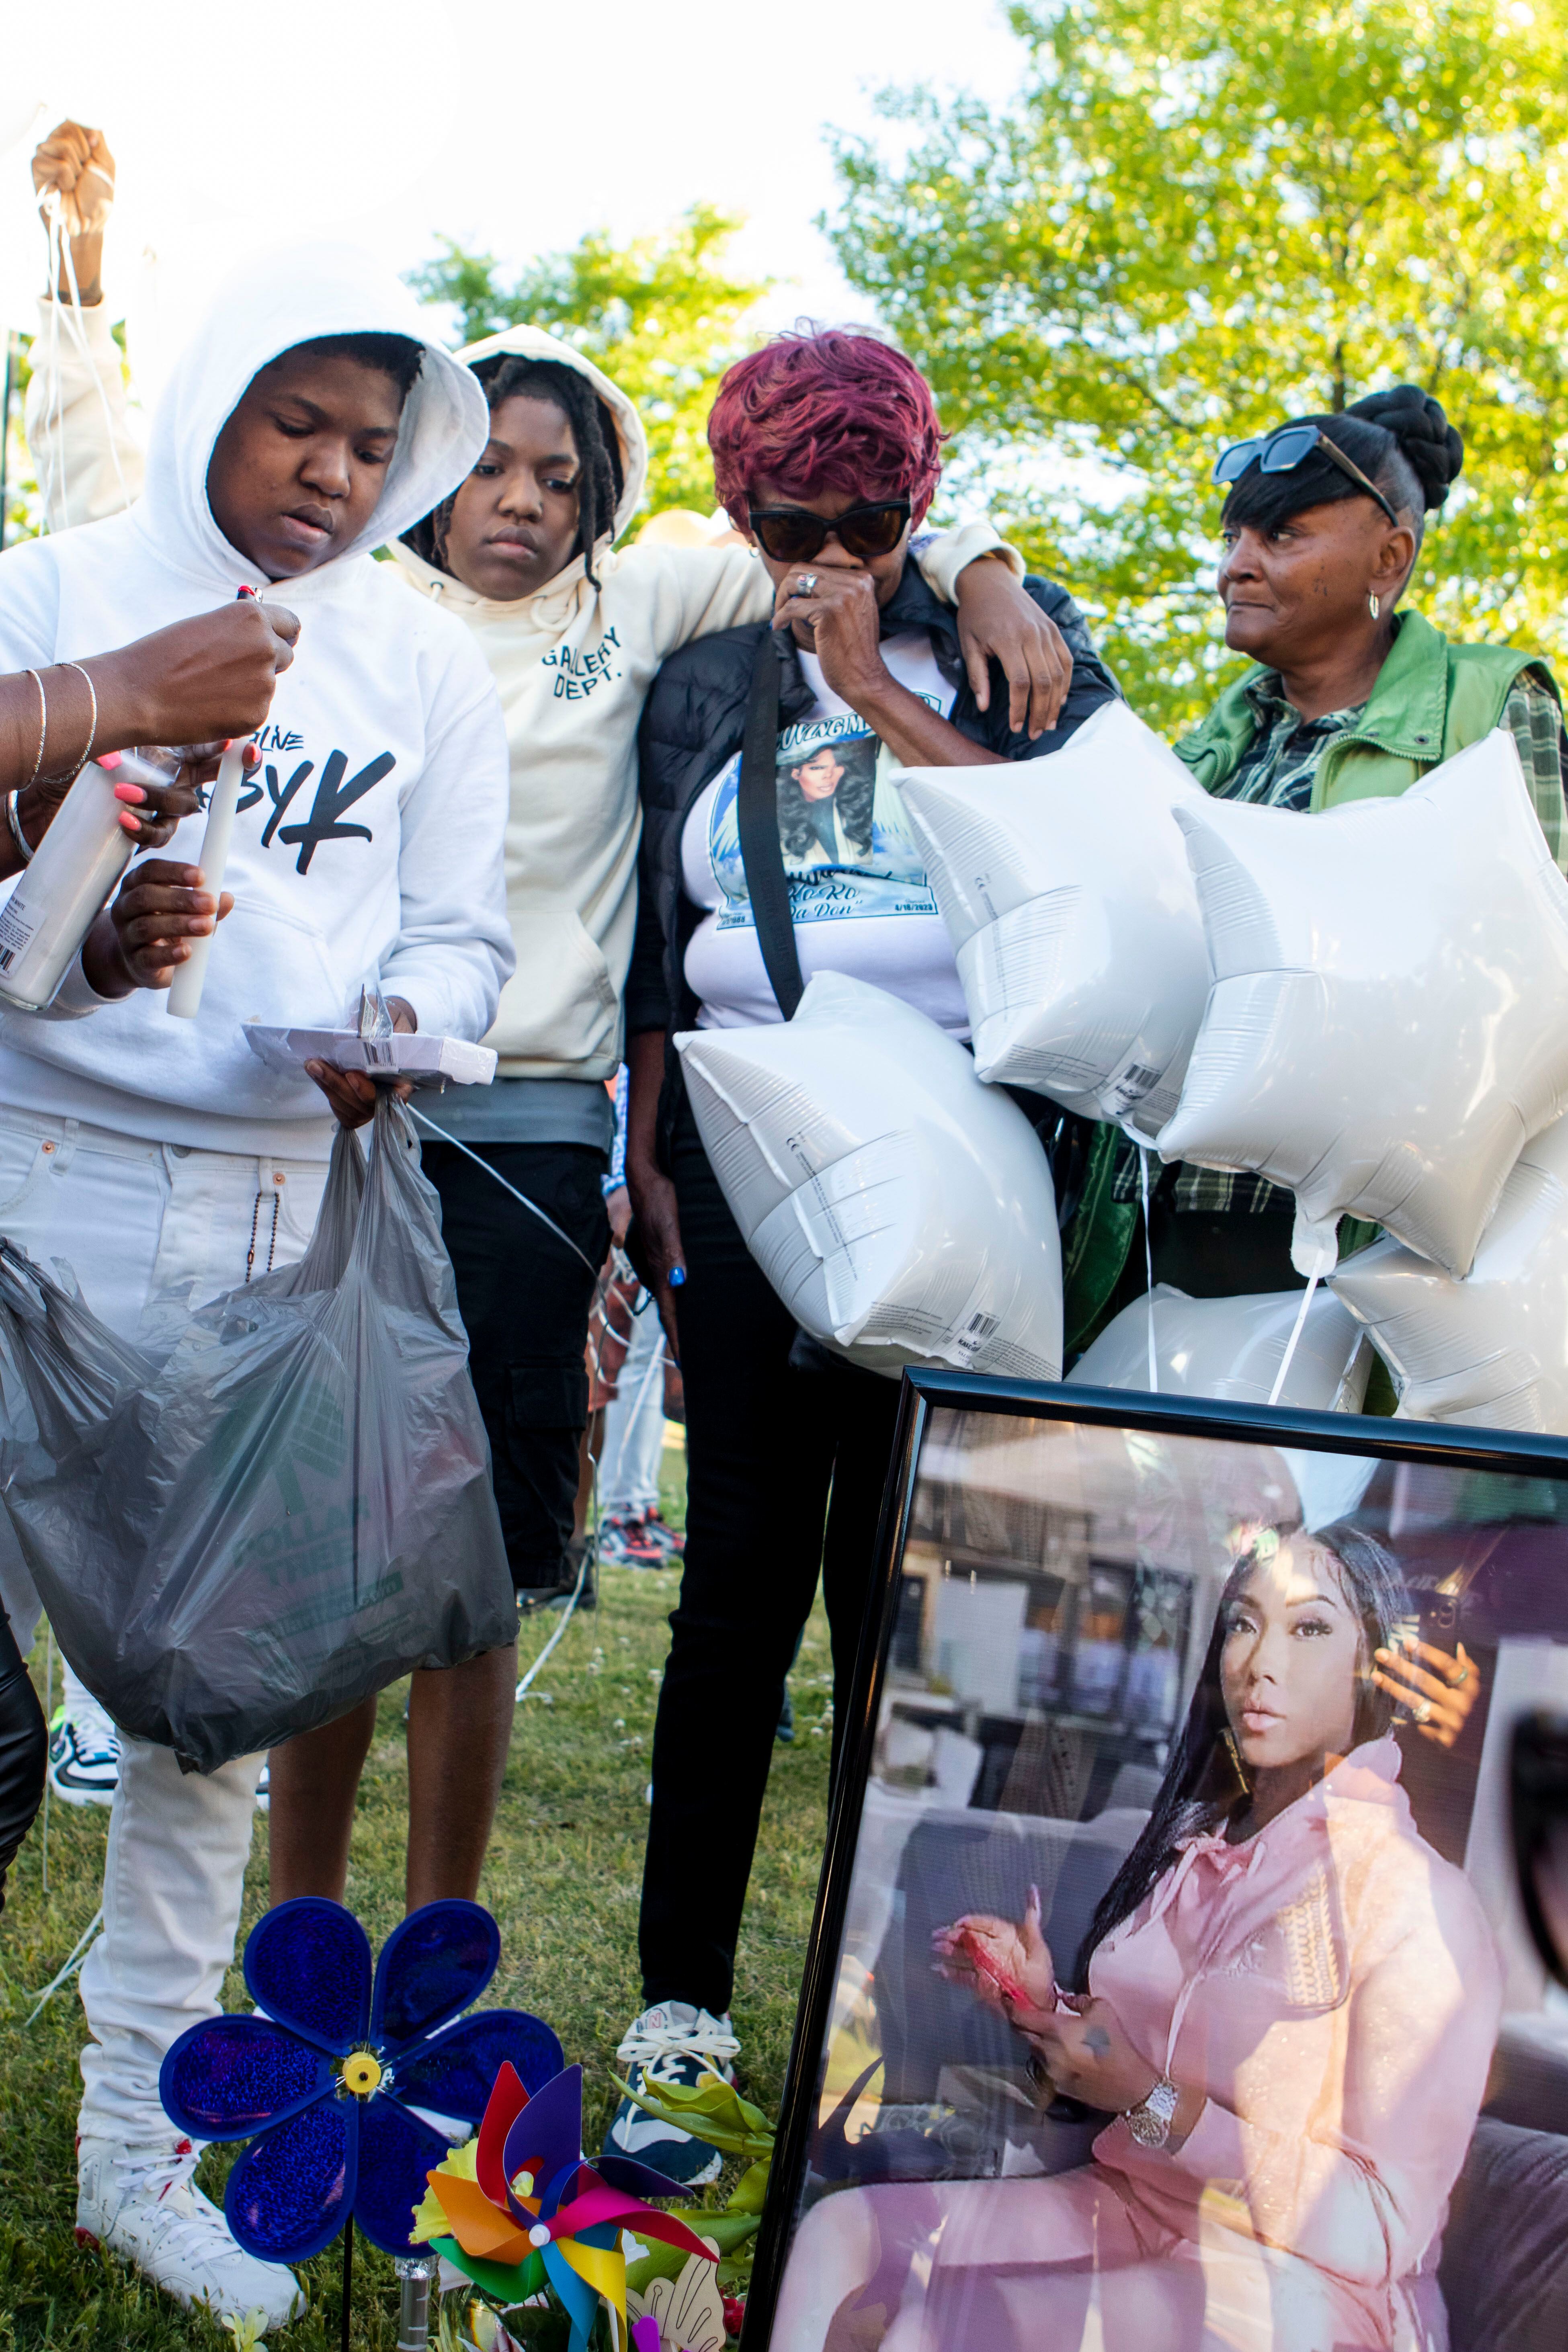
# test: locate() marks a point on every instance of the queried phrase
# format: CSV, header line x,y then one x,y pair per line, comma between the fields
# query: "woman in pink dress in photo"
x,y
1288,2003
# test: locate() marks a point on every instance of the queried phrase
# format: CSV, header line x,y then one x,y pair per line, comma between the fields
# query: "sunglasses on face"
x,y
1282,452
1540,1805
794,535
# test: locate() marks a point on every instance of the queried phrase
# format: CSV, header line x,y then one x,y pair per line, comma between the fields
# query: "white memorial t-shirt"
x,y
859,899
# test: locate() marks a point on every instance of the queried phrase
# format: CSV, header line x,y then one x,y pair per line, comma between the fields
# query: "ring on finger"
x,y
1463,1676
805,585
1422,1710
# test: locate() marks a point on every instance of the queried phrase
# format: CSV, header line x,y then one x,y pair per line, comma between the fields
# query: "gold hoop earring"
x,y
1374,606
1237,1767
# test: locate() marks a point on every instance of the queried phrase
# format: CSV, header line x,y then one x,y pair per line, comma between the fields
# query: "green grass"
x,y
563,1880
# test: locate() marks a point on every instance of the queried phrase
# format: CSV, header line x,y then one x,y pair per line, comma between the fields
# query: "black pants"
x,y
524,1299
24,1747
784,1472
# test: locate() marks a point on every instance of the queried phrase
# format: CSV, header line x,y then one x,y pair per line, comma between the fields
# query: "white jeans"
x,y
634,1425
136,1220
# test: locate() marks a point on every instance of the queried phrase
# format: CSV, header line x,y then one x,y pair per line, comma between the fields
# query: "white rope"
x,y
56,438
1149,1266
566,1615
78,1954
1299,1326
61,253
516,1195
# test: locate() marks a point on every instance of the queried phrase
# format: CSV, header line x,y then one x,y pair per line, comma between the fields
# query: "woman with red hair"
x,y
827,451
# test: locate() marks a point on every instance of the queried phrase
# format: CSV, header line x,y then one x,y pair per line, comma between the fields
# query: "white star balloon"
x,y
902,1212
1234,1347
1065,886
1492,1349
1388,1024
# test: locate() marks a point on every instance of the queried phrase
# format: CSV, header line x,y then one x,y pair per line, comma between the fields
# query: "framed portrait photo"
x,y
1168,1988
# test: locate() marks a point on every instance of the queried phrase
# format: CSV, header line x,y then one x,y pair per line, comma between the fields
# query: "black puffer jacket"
x,y
694,721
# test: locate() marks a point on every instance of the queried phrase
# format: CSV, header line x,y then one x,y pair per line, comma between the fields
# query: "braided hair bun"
x,y
1425,437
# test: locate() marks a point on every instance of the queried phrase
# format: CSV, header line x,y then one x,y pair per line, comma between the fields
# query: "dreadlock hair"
x,y
1400,440
397,356
510,375
1203,1785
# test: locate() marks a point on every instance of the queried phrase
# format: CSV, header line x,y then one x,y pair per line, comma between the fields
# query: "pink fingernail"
x,y
109,760
131,793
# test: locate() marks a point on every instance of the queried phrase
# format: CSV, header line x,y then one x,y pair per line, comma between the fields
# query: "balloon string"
x,y
1149,1265
497,1178
1291,1345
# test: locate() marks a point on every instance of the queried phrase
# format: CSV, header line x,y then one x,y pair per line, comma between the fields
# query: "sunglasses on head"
x,y
794,535
1539,1808
1282,452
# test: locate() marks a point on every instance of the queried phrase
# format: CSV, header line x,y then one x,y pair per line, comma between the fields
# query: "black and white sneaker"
x,y
84,1755
671,2042
264,1790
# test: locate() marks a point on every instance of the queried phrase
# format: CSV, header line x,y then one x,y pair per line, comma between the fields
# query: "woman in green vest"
x,y
1348,699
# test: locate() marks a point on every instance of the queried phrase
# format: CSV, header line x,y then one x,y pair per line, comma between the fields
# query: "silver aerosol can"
x,y
58,897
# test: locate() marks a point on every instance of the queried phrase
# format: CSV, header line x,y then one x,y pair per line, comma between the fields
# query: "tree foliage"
x,y
1195,221
662,316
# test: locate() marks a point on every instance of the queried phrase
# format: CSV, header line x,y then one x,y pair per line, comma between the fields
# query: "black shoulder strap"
x,y
757,814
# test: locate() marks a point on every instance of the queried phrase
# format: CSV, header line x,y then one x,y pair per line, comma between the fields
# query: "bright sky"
x,y
513,128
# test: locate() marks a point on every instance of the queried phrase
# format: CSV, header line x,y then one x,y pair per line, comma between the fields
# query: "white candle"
x,y
190,977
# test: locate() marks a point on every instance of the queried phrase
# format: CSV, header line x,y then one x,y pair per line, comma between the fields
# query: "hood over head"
x,y
280,299
534,344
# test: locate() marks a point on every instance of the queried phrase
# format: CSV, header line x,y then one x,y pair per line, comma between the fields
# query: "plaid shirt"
x,y
1278,772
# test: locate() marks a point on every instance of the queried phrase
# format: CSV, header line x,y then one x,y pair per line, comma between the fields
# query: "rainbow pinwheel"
x,y
325,2081
524,2208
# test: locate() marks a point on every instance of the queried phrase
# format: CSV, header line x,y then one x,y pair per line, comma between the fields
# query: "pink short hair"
x,y
825,411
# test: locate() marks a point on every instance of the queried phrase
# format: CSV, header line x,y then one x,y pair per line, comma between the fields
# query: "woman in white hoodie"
x,y
310,418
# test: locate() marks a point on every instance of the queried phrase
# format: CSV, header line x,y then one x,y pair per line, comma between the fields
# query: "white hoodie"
x,y
573,664
371,846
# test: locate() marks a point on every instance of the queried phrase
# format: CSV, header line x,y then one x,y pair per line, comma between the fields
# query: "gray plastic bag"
x,y
271,1508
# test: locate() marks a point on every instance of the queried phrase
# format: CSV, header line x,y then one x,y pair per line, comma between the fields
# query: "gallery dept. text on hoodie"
x,y
371,843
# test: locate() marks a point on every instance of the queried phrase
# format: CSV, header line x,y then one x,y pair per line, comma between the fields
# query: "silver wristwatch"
x,y
1150,2121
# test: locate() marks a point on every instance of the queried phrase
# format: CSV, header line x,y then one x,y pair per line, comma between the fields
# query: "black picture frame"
x,y
1462,1448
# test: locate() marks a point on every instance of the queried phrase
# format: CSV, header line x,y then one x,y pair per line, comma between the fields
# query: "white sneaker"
x,y
142,2203
264,1790
671,2042
84,1755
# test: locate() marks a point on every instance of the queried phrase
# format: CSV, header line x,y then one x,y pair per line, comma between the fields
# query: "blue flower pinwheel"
x,y
324,2082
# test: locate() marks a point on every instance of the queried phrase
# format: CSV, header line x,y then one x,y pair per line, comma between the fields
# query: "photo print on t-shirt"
x,y
847,849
